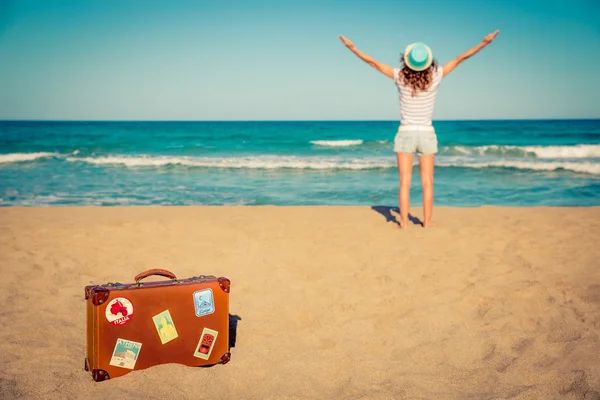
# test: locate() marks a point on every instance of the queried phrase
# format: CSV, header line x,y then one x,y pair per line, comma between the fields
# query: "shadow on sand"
x,y
389,217
233,320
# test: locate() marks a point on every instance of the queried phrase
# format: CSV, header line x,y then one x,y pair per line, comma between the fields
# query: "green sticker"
x,y
165,326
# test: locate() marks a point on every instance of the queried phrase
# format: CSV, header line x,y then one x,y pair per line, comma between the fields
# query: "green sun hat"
x,y
417,56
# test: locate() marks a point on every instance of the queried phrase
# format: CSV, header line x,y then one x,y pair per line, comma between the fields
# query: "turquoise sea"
x,y
509,163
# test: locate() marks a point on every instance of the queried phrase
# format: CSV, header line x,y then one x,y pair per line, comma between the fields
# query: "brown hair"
x,y
417,80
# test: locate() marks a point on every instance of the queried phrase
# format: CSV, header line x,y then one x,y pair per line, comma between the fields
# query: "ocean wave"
x,y
337,143
575,151
541,152
586,168
21,157
253,162
328,163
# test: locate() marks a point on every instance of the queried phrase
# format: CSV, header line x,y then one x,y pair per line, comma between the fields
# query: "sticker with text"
x,y
204,302
119,311
125,354
165,327
205,346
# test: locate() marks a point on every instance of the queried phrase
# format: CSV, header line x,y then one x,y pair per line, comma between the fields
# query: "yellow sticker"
x,y
165,327
206,343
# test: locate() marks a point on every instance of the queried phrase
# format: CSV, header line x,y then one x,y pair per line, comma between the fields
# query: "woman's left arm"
x,y
384,69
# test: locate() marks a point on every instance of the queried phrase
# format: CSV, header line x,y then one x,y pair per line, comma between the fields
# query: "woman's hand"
x,y
489,38
347,43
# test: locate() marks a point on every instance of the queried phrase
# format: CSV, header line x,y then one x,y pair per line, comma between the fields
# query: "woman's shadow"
x,y
389,217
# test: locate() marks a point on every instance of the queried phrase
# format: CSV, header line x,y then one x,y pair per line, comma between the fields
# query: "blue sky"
x,y
282,60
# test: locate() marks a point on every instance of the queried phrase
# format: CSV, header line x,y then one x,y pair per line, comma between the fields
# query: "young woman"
x,y
417,80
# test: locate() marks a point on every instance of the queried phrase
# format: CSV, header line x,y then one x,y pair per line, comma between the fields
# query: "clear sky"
x,y
282,60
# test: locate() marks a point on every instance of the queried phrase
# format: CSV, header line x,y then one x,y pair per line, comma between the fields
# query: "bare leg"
x,y
427,163
405,165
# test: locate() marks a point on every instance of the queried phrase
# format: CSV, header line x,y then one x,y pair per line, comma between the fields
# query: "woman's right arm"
x,y
450,65
381,67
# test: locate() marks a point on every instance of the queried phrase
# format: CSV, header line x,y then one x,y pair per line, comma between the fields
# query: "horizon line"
x,y
296,120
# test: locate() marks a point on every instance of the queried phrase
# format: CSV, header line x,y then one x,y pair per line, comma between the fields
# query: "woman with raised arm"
x,y
417,80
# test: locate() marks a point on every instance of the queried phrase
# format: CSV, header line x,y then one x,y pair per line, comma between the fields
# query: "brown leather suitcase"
x,y
139,325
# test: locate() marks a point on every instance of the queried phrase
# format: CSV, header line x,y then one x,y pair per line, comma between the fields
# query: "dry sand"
x,y
333,302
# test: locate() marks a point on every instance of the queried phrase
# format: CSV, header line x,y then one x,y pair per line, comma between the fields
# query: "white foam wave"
x,y
256,162
37,201
325,163
586,168
543,152
21,157
578,151
337,143
575,151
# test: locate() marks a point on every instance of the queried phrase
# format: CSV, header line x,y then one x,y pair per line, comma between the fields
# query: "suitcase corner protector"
x,y
97,294
224,284
100,375
225,358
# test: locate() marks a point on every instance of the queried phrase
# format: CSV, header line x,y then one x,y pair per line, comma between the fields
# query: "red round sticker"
x,y
119,311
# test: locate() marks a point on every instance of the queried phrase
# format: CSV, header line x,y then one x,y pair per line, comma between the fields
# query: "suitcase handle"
x,y
161,272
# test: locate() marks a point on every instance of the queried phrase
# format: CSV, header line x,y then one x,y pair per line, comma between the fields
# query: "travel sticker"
x,y
165,327
125,354
204,302
119,311
205,346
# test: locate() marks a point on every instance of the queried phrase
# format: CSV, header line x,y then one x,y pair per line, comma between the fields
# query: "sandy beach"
x,y
328,302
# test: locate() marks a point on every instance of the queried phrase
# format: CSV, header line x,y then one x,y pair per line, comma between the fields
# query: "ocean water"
x,y
509,163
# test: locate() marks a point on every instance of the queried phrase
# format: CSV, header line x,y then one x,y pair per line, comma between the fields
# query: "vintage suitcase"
x,y
138,325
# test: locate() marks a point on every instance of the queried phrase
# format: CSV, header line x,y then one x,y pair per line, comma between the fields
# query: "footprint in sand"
x,y
564,333
500,362
575,383
523,345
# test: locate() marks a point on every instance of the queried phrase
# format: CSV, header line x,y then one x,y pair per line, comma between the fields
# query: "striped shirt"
x,y
417,110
